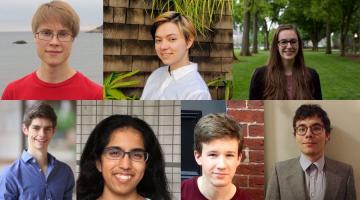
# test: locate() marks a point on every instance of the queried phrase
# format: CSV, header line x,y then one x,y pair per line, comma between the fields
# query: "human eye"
x,y
115,153
63,34
283,42
316,128
157,41
301,129
293,41
46,33
212,155
138,155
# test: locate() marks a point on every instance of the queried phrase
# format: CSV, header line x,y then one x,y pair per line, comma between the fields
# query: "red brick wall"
x,y
250,174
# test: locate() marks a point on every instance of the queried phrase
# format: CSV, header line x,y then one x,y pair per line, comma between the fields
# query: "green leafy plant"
x,y
201,12
115,81
222,82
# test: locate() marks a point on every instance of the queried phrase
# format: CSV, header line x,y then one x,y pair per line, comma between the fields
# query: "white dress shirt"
x,y
184,83
315,177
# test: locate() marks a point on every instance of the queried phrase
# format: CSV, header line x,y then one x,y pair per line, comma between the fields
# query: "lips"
x,y
53,52
41,141
123,177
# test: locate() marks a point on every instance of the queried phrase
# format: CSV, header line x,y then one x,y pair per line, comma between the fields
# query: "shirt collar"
x,y
184,70
305,163
26,157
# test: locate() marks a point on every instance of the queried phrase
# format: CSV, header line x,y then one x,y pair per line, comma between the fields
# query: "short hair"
x,y
216,126
312,110
59,11
40,110
185,25
90,183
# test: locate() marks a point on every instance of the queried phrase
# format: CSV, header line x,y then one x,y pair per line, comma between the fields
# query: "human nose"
x,y
221,164
54,39
164,45
308,132
124,161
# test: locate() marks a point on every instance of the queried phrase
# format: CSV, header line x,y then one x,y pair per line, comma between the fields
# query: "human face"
x,y
311,145
288,52
170,45
219,160
122,176
39,133
53,53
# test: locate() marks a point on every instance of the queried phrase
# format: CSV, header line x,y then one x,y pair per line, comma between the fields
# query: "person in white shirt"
x,y
174,34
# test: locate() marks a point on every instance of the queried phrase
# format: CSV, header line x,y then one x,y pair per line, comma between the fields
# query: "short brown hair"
x,y
216,126
185,25
59,11
40,110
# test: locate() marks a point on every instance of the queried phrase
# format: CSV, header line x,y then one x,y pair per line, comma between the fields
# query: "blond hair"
x,y
59,11
185,25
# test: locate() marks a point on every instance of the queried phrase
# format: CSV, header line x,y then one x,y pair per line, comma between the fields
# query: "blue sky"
x,y
16,15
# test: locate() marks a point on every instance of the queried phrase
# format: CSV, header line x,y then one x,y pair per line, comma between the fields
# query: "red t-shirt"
x,y
30,87
190,191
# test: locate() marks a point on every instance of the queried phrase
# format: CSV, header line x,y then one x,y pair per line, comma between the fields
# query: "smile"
x,y
123,177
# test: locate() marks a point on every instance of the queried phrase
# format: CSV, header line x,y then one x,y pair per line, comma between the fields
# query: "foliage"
x,y
201,12
115,81
221,81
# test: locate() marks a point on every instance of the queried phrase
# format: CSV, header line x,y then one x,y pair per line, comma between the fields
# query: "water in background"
x,y
17,60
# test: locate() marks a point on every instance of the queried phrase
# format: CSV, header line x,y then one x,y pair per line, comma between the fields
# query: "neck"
x,y
313,158
288,66
55,74
41,157
108,194
215,193
185,61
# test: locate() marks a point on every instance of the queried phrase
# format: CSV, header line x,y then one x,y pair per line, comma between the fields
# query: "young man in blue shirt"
x,y
37,174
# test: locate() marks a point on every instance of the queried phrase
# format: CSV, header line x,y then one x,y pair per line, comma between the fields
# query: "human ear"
x,y
25,129
197,156
98,166
190,42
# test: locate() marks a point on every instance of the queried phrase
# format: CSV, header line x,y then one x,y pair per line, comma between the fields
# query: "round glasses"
x,y
115,153
47,35
315,129
284,43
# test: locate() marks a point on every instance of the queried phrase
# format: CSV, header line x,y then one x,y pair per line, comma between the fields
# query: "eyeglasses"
x,y
315,129
284,43
62,36
115,153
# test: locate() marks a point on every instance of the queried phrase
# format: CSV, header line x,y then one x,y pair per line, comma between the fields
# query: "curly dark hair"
x,y
90,183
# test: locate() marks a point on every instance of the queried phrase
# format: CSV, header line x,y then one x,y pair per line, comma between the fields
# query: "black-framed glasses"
x,y
315,129
284,43
116,153
47,35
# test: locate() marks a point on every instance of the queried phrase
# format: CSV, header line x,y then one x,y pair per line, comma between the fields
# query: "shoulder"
x,y
89,86
10,172
337,165
260,70
159,71
17,84
241,195
312,72
286,164
189,182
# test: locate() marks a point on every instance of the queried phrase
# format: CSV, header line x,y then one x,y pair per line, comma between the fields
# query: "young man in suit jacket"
x,y
311,175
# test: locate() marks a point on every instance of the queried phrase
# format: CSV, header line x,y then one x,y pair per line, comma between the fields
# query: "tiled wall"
x,y
162,116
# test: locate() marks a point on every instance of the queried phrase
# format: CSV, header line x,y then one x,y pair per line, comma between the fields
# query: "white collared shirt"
x,y
184,83
315,177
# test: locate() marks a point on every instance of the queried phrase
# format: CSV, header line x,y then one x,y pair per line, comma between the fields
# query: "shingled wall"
x,y
128,44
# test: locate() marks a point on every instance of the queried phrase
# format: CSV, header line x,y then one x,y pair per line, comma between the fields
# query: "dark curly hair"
x,y
90,183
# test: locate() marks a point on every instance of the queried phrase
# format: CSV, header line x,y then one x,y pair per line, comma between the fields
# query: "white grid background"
x,y
163,116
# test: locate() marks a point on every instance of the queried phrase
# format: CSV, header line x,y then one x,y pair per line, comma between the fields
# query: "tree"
x,y
245,44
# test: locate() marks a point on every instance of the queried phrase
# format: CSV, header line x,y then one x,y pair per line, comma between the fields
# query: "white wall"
x,y
344,144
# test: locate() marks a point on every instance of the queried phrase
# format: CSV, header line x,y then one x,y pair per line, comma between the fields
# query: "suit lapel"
x,y
332,180
296,181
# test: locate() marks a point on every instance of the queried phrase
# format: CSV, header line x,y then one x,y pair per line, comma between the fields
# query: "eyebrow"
x,y
119,148
171,34
316,123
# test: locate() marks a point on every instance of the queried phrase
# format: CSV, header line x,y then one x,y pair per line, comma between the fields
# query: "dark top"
x,y
257,84
190,191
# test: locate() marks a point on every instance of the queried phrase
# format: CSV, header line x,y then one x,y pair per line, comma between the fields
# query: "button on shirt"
x,y
25,180
315,177
184,83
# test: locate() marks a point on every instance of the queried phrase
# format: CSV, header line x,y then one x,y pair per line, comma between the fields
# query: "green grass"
x,y
339,76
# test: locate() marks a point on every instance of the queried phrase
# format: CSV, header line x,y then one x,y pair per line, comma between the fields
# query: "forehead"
x,y
221,145
126,138
287,34
41,122
166,29
52,25
309,121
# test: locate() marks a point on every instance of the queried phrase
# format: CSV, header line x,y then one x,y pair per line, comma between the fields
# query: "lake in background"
x,y
17,60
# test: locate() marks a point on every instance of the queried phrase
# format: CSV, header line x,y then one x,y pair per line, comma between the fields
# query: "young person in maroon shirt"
x,y
218,145
55,26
